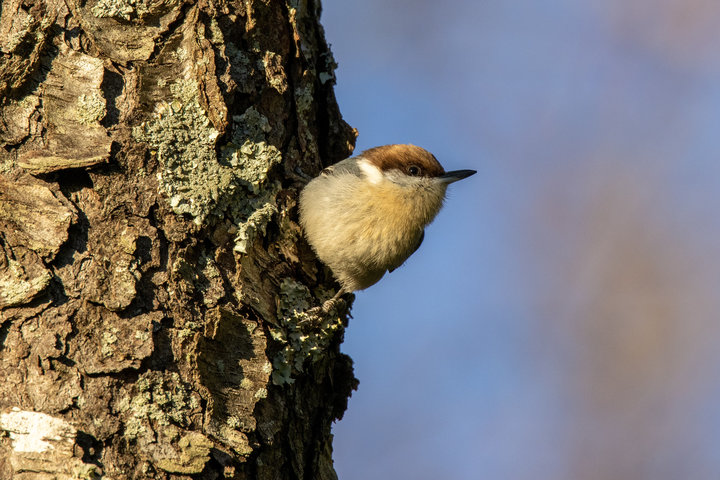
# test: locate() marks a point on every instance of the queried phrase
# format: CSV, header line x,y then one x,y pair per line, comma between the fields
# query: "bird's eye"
x,y
414,170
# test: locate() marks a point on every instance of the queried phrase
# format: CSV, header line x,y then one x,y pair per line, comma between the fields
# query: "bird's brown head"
x,y
408,159
411,161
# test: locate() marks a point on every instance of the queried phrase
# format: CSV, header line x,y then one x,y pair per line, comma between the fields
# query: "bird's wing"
x,y
419,242
349,165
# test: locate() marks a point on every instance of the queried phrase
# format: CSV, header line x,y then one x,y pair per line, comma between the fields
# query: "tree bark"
x,y
156,293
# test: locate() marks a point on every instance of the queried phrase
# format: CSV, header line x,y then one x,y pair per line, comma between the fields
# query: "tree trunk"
x,y
155,289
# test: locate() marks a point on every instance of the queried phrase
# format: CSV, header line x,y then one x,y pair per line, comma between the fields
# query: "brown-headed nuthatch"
x,y
367,214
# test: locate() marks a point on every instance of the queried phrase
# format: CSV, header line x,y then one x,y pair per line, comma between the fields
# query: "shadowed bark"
x,y
155,289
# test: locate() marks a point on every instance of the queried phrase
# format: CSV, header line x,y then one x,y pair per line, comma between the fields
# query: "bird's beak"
x,y
455,175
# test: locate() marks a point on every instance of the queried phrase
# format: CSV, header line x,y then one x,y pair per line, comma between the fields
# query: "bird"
x,y
365,215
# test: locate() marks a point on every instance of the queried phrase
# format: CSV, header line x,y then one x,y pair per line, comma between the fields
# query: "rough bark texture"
x,y
155,289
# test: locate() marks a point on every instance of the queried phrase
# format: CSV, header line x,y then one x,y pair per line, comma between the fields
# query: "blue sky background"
x,y
561,319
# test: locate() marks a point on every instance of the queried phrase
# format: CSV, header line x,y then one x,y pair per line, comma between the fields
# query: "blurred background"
x,y
561,319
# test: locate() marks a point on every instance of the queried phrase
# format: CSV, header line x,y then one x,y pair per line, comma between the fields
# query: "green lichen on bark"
x,y
182,137
198,181
250,154
254,226
90,108
16,286
162,399
124,9
194,453
306,332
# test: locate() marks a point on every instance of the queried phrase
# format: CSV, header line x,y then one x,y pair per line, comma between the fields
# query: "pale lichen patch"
x,y
109,338
255,225
90,108
124,9
192,455
21,21
20,283
162,399
330,66
34,431
42,446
